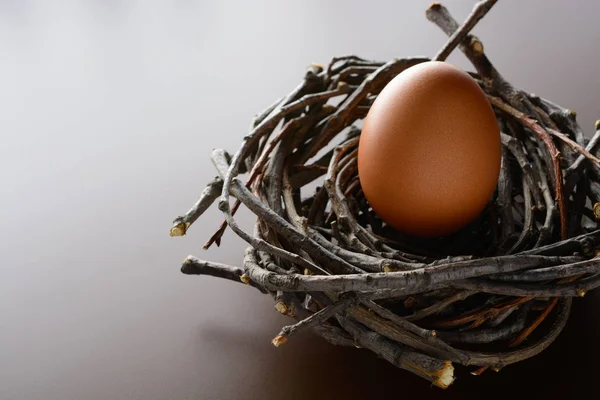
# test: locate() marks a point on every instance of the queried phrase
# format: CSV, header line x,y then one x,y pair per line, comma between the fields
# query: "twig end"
x,y
596,210
434,6
446,376
279,340
476,45
388,266
281,307
178,230
479,370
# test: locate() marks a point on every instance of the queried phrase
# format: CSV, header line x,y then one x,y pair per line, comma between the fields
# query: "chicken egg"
x,y
429,153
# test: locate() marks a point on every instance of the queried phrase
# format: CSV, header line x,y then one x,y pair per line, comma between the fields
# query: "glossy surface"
x,y
109,112
429,152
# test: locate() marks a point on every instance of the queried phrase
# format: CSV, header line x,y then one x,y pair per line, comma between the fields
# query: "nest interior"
x,y
495,293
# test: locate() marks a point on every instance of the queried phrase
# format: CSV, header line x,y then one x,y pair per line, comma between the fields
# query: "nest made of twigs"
x,y
495,293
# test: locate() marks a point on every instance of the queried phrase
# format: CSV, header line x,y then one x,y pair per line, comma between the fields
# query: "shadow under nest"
x,y
495,293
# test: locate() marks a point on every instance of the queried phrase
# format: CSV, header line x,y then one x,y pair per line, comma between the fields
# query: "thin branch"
x,y
519,339
407,282
210,193
333,334
573,289
193,266
479,11
545,137
516,148
318,318
577,147
438,372
591,266
487,335
439,306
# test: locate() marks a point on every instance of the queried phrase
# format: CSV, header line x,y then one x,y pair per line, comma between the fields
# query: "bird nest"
x,y
494,293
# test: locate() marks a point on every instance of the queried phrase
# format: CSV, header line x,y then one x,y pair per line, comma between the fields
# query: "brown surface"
x,y
430,135
109,113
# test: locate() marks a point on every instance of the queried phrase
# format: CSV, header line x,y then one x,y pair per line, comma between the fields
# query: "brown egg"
x,y
429,153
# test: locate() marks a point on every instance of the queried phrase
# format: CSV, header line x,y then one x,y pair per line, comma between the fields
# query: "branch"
x,y
516,148
519,339
318,318
487,335
572,289
210,193
331,333
440,306
406,282
438,372
577,147
591,266
504,201
403,331
479,11
545,137
528,221
193,266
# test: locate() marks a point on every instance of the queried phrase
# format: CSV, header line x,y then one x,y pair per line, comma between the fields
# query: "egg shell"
x,y
429,153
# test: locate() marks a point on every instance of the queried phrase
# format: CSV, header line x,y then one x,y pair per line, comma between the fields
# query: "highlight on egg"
x,y
429,153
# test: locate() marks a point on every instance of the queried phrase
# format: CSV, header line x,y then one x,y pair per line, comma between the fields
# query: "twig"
x,y
516,148
318,318
479,11
487,335
546,232
519,339
574,289
193,266
210,193
551,273
545,137
436,308
591,146
482,313
577,147
438,372
527,231
406,332
407,282
504,201
332,334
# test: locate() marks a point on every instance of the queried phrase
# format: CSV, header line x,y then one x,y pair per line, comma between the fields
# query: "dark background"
x,y
109,112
